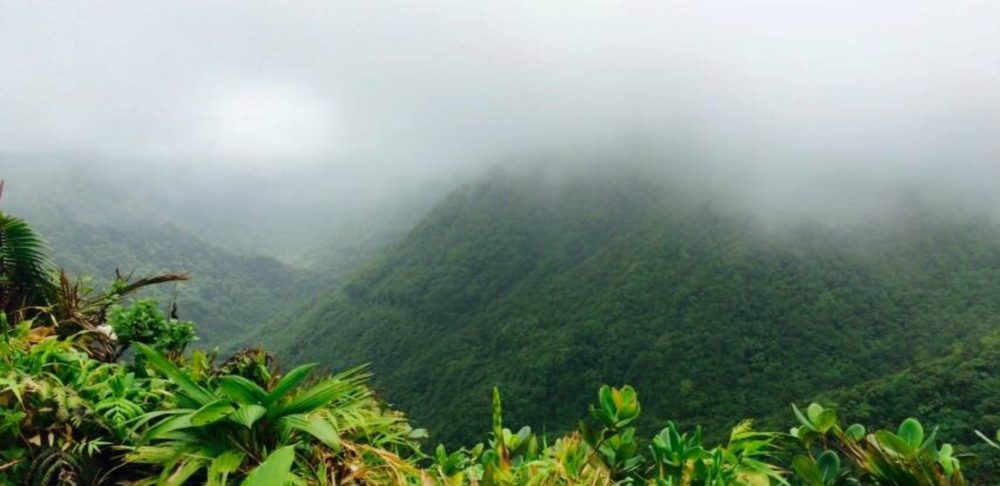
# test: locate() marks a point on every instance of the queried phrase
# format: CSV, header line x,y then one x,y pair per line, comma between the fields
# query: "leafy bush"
x,y
883,457
144,323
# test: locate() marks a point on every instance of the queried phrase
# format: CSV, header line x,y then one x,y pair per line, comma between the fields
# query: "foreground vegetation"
x,y
98,389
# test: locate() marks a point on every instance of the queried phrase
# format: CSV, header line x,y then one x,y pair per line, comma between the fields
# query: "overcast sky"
x,y
423,84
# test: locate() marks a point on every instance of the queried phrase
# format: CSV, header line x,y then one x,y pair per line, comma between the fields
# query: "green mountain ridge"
x,y
550,289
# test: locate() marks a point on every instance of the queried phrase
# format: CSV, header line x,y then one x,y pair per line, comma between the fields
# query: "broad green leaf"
x,y
317,427
807,470
627,402
194,391
183,472
947,460
212,412
802,418
141,421
247,415
275,469
288,382
223,465
169,425
826,420
813,412
319,395
855,432
607,399
912,432
829,464
893,443
946,451
242,390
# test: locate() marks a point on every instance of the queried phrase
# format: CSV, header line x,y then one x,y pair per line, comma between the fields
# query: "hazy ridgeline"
x,y
261,244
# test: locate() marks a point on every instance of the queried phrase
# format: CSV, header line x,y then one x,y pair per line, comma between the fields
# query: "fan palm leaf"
x,y
26,272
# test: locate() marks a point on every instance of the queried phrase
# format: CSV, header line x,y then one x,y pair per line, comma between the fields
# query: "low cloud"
x,y
775,95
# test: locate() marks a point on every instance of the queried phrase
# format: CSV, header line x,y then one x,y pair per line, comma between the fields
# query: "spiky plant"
x,y
26,272
333,431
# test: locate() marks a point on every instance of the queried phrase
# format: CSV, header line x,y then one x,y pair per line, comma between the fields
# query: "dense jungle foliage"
x,y
551,289
76,412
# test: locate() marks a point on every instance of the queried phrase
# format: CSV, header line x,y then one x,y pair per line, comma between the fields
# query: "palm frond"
x,y
26,272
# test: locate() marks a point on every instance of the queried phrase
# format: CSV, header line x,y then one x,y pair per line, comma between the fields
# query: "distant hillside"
x,y
549,289
96,227
229,295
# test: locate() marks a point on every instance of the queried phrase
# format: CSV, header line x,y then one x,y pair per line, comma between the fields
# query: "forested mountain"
x,y
550,288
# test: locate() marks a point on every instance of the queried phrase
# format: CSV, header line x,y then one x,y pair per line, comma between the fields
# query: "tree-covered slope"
x,y
96,228
231,294
550,288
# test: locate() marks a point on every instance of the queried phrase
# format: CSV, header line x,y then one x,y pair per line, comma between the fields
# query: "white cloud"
x,y
265,120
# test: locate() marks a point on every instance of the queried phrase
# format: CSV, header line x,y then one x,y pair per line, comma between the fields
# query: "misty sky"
x,y
796,84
